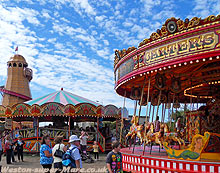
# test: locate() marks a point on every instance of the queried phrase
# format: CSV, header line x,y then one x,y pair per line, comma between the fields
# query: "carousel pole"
x,y
69,127
150,111
122,116
135,108
142,93
37,133
153,114
172,111
191,121
146,120
97,129
163,113
158,103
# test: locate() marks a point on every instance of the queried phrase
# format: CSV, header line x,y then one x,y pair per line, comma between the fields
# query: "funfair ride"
x,y
178,65
63,109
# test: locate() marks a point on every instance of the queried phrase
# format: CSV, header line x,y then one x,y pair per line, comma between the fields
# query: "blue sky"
x,y
71,43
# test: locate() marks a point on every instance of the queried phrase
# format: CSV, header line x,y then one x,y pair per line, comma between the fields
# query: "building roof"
x,y
18,58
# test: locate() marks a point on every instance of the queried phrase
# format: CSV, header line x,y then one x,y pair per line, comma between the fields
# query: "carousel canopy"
x,y
62,97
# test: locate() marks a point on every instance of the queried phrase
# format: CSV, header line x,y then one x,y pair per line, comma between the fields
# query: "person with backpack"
x,y
58,150
72,157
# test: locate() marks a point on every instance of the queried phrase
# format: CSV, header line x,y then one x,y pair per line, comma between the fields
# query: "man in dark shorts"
x,y
114,159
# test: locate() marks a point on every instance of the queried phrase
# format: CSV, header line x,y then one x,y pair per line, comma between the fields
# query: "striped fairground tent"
x,y
62,97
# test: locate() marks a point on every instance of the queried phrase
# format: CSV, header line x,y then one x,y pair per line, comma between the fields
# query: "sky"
x,y
70,43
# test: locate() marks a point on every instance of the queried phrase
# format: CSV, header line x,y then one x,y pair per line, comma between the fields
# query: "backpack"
x,y
68,160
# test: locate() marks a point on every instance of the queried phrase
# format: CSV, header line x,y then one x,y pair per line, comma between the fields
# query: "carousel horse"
x,y
156,137
136,130
169,136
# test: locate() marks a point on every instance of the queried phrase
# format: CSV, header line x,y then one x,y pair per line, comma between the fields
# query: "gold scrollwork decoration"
x,y
155,36
180,25
194,22
164,31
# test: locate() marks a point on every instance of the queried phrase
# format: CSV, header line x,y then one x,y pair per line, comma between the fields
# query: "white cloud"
x,y
100,18
127,24
106,42
83,5
204,8
52,40
46,14
149,4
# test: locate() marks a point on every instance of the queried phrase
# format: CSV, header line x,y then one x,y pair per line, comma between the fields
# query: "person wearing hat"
x,y
20,143
74,146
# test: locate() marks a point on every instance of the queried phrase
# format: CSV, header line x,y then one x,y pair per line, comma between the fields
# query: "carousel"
x,y
61,112
178,66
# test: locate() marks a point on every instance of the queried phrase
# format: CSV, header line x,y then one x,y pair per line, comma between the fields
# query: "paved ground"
x,y
33,161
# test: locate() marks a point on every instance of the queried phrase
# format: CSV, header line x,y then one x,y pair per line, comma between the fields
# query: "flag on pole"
x,y
16,49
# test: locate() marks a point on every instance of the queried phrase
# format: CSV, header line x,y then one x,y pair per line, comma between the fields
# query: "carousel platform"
x,y
158,162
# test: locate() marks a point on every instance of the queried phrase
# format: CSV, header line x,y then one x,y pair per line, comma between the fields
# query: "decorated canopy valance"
x,y
60,103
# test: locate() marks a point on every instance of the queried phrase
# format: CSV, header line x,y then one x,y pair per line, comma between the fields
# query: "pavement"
x,y
32,164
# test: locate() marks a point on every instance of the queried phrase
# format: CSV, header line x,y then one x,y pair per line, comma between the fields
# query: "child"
x,y
96,150
114,159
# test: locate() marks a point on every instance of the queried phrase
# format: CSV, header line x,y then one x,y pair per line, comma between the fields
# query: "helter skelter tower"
x,y
17,88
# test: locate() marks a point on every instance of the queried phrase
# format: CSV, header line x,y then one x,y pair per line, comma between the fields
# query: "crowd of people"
x,y
11,147
55,156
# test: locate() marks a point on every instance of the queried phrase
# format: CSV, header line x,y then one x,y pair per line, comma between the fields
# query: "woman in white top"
x,y
58,146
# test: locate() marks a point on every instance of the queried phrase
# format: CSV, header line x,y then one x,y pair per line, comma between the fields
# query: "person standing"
x,y
157,124
83,141
96,150
8,149
58,146
114,159
74,148
46,158
13,148
20,143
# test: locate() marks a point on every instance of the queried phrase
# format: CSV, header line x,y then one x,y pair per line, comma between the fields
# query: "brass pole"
x,y
135,120
172,111
153,114
146,121
158,104
69,126
163,113
122,116
141,100
192,122
149,112
139,113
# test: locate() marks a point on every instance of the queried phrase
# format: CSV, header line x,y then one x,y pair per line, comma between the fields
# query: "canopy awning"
x,y
62,97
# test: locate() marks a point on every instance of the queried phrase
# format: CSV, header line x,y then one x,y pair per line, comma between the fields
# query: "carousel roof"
x,y
62,97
